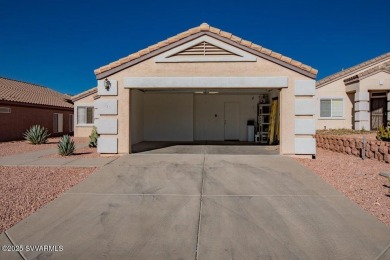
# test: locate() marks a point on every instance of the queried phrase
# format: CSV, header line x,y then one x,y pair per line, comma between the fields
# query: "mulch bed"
x,y
357,179
26,189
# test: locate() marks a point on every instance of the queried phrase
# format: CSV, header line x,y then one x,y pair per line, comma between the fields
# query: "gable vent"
x,y
5,110
204,49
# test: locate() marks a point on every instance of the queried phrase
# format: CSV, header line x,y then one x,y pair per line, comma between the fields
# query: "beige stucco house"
x,y
201,85
355,98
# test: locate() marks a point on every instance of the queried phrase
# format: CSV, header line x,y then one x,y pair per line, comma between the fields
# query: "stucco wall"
x,y
339,89
260,68
210,110
334,90
379,81
22,117
137,116
168,117
82,130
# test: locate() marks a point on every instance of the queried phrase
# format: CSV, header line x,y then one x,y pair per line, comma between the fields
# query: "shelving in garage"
x,y
263,120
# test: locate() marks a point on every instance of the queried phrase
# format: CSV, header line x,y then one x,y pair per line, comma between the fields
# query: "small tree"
x,y
93,137
383,133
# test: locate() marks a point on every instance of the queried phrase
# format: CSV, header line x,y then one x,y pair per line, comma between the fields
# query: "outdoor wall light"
x,y
107,84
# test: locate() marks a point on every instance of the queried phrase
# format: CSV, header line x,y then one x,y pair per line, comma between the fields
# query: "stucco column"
x,y
362,108
305,126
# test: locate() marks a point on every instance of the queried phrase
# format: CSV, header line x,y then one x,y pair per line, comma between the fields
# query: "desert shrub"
x,y
93,137
36,134
66,146
383,133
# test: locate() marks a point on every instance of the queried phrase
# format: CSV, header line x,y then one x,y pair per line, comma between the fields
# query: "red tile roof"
x,y
204,27
353,69
23,92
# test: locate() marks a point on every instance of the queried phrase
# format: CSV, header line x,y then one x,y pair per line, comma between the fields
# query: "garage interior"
x,y
214,117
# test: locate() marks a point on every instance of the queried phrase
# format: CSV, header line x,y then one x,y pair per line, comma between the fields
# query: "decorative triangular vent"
x,y
204,49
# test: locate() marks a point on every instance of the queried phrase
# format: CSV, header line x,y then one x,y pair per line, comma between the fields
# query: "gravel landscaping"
x,y
85,152
19,147
357,179
26,189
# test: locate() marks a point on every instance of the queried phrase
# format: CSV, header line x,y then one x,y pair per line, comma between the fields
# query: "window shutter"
x,y
325,108
60,123
90,115
337,108
55,123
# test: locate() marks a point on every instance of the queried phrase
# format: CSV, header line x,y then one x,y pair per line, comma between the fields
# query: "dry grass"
x,y
344,131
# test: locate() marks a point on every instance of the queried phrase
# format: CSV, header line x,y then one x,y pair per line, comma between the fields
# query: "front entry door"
x,y
232,117
378,112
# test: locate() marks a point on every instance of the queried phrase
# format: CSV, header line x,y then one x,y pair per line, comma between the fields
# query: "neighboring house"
x,y
201,85
85,112
24,104
355,98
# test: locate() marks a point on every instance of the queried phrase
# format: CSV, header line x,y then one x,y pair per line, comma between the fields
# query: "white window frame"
x,y
331,109
76,115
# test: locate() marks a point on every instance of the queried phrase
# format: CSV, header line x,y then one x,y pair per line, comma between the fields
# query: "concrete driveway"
x,y
203,206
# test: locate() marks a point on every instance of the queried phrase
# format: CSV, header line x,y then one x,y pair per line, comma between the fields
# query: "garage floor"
x,y
203,206
205,147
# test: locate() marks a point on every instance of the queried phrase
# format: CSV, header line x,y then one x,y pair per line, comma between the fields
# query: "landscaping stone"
x,y
374,149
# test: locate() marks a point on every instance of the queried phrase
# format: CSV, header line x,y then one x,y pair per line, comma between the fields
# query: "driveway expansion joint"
x,y
382,253
13,243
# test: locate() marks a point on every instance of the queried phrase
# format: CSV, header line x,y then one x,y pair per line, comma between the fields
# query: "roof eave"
x,y
153,53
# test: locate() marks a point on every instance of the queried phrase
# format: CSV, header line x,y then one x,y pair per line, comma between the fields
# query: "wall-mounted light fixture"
x,y
107,84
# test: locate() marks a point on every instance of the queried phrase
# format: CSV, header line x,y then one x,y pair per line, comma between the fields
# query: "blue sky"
x,y
59,43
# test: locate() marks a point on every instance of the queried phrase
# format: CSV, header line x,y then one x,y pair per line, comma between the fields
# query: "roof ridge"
x,y
204,27
337,75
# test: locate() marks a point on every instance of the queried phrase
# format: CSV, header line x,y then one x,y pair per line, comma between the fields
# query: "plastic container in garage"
x,y
251,130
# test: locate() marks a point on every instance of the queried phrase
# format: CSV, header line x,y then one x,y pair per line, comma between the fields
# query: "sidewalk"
x,y
35,159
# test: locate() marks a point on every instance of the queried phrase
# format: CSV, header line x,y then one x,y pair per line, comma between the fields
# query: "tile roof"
x,y
84,94
204,27
382,67
351,70
23,92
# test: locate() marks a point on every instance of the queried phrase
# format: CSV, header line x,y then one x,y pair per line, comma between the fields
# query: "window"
x,y
331,107
71,123
85,115
58,123
5,110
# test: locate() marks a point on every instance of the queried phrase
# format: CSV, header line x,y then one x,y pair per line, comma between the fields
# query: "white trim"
x,y
241,55
305,87
305,126
205,82
331,118
305,107
305,146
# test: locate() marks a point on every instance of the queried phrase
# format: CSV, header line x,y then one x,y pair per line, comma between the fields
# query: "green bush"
x,y
383,133
93,137
36,134
66,146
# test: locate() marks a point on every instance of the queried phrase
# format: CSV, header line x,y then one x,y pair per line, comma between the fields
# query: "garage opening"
x,y
206,117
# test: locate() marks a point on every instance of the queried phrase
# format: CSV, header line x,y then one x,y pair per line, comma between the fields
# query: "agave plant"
x,y
36,134
66,146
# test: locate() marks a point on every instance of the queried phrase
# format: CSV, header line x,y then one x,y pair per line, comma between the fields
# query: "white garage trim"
x,y
205,82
